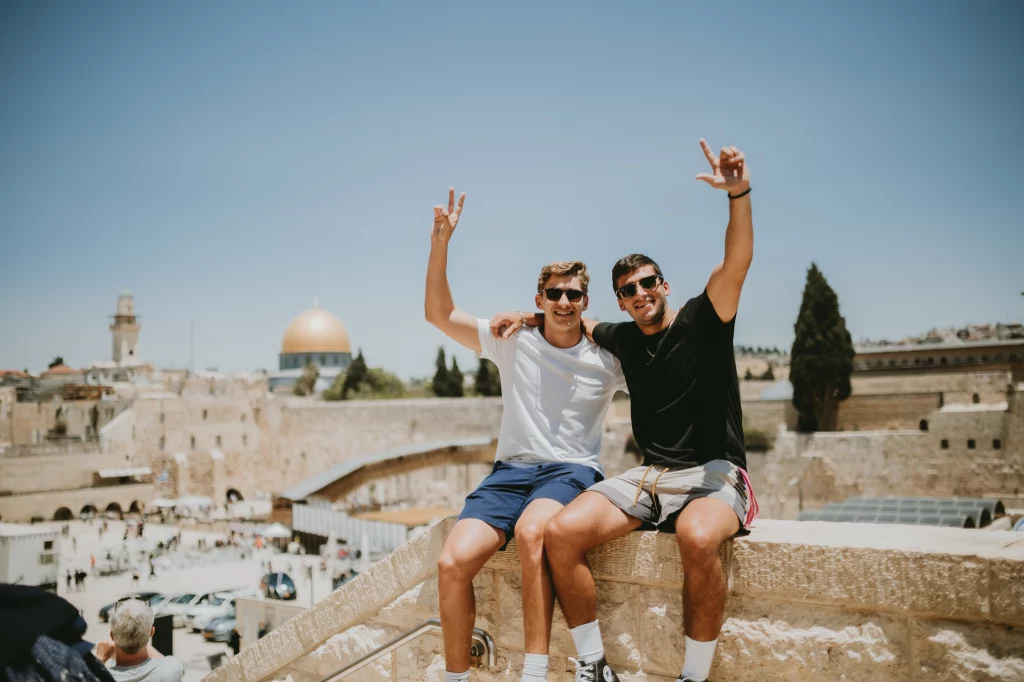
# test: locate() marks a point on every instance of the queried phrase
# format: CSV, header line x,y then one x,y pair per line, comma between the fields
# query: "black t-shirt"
x,y
686,398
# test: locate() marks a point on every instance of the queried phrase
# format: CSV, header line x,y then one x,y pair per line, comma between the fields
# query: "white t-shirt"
x,y
166,669
555,398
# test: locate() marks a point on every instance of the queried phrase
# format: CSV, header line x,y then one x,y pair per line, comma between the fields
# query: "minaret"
x,y
124,329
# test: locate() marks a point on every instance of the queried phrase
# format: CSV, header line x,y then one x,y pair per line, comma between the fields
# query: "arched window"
x,y
931,361
942,360
970,359
970,443
956,360
984,358
975,398
945,444
923,425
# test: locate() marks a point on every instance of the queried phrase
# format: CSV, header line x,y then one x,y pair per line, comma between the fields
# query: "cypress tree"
x,y
354,376
456,388
440,382
488,381
821,360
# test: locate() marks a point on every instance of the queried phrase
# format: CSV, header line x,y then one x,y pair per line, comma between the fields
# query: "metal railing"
x,y
483,645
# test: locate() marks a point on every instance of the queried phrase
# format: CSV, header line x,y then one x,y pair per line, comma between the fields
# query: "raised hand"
x,y
445,221
729,170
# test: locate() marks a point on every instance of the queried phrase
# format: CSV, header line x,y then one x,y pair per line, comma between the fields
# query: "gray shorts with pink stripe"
x,y
656,494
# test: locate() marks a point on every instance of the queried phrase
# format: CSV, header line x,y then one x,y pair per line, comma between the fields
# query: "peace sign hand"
x,y
445,222
730,170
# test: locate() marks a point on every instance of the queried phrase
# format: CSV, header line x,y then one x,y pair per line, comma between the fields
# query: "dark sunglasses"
x,y
555,294
629,290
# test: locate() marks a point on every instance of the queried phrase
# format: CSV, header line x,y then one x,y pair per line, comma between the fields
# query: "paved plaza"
x,y
188,568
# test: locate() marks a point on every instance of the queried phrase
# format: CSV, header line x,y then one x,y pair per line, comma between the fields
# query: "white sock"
x,y
535,668
456,677
697,661
587,638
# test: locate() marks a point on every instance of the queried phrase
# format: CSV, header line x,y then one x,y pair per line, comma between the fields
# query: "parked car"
x,y
219,629
343,578
278,586
218,606
150,597
199,602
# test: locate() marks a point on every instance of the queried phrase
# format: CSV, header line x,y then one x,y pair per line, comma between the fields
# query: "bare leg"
x,y
470,545
538,595
701,528
589,520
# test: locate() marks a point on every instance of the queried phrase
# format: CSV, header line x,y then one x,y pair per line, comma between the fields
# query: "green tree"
x,y
821,360
59,360
306,384
488,382
440,382
335,390
456,387
355,375
768,374
378,385
749,376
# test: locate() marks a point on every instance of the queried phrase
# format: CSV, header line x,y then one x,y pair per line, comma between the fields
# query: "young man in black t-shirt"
x,y
682,380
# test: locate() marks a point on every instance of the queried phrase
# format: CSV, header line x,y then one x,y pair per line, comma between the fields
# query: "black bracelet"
x,y
741,194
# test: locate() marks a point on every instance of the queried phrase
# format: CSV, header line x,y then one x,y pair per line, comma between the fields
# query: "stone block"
x,y
865,578
979,652
769,640
347,646
412,607
509,624
662,622
618,612
415,561
355,601
1006,590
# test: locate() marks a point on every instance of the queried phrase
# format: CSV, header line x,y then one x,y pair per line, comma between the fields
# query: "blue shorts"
x,y
501,498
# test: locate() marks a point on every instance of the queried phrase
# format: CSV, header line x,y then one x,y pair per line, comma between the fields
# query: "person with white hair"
x,y
135,659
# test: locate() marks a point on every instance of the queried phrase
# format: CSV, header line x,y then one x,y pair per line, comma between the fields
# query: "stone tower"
x,y
124,329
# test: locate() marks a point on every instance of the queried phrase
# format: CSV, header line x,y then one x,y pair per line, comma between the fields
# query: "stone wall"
x,y
8,396
805,471
957,385
44,504
27,419
76,469
899,411
272,444
807,601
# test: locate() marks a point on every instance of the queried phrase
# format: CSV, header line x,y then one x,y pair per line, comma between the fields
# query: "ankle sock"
x,y
456,677
587,638
698,658
535,668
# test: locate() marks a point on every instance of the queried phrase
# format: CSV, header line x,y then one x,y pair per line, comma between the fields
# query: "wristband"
x,y
521,318
741,194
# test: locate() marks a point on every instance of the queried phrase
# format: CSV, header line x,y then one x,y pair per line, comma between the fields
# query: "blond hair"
x,y
130,625
570,268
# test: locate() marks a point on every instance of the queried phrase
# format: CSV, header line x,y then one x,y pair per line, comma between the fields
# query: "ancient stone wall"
x,y
957,386
44,504
8,396
76,469
807,601
29,418
898,411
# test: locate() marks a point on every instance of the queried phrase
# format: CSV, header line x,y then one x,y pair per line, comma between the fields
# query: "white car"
x,y
218,605
194,603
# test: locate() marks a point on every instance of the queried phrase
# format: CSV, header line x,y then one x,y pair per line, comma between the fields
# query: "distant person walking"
x,y
152,570
68,581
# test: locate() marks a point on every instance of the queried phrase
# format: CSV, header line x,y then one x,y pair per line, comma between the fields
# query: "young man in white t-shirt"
x,y
556,386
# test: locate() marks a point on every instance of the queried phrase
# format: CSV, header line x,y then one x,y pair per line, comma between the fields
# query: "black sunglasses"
x,y
555,294
629,290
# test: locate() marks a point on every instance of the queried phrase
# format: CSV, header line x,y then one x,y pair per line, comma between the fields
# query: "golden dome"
x,y
315,331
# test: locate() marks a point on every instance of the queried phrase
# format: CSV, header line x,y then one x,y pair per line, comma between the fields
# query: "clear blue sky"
x,y
231,161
